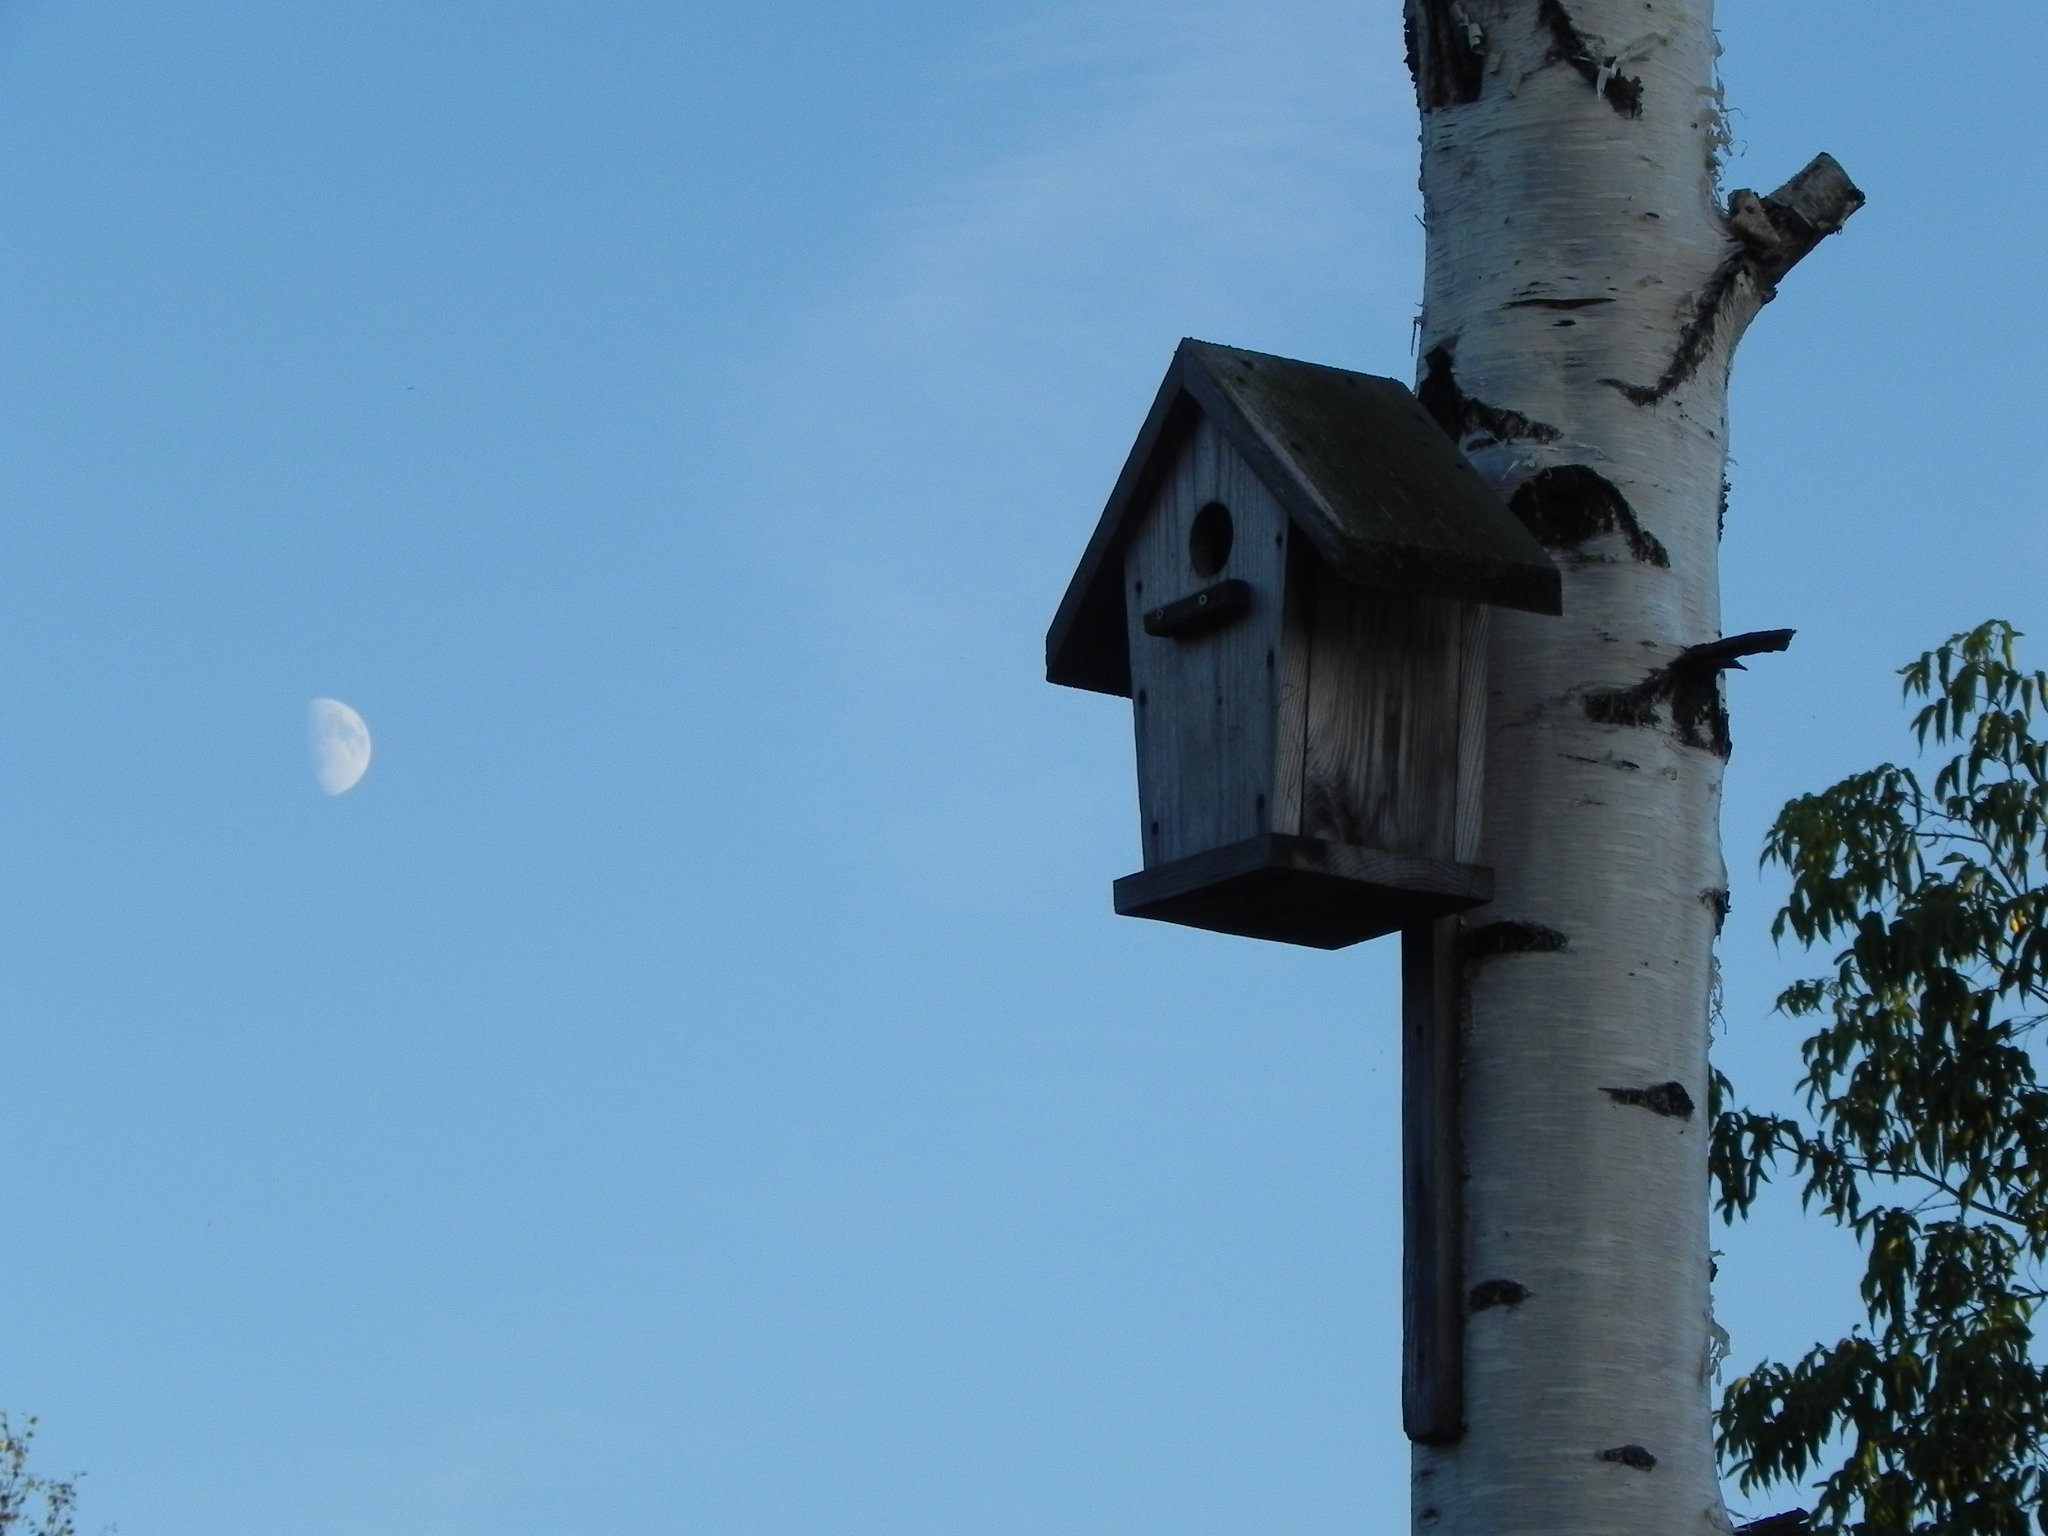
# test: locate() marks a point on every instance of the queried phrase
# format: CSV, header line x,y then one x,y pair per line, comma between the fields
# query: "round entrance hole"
x,y
1210,538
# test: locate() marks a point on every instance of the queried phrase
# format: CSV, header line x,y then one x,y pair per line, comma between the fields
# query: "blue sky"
x,y
695,1082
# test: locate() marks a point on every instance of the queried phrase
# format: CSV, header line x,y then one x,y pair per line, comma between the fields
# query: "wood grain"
x,y
1381,764
1432,1250
1291,682
1205,703
1468,805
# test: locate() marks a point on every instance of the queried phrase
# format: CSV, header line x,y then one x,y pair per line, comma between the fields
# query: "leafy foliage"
x,y
21,1491
1927,1128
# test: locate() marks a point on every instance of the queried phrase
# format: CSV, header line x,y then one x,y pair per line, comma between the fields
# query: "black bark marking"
x,y
1460,416
1696,339
1721,511
1569,505
1554,303
1630,1456
1570,46
1489,940
1698,717
1771,235
1717,901
1667,1099
1689,688
1496,1293
1699,713
1629,706
1446,55
1438,393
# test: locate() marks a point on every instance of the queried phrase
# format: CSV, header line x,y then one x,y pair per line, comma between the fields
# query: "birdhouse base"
x,y
1302,890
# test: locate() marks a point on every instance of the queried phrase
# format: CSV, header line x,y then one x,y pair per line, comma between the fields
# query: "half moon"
x,y
340,743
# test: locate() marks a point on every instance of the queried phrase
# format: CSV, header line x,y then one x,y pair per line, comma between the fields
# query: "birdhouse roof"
x,y
1361,469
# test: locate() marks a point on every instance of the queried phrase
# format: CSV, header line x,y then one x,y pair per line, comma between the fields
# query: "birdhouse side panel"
x,y
1474,622
1381,761
1203,692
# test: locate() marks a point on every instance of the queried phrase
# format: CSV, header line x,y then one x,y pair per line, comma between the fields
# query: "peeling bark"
x,y
1446,54
1570,46
1719,904
1570,505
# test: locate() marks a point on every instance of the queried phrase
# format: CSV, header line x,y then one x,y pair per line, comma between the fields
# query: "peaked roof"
x,y
1361,469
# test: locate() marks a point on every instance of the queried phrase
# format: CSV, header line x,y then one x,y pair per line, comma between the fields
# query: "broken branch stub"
x,y
1781,228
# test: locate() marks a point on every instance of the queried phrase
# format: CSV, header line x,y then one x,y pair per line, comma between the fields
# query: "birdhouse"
x,y
1289,583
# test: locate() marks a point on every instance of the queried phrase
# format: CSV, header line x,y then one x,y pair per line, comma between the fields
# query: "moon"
x,y
340,743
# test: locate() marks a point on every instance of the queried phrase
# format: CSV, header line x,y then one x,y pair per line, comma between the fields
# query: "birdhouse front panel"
x,y
1206,591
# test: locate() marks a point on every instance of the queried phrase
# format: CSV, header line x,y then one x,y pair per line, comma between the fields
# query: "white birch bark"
x,y
1585,292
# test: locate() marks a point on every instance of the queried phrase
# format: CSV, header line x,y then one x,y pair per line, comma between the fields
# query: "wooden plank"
x,y
1432,1251
1204,702
1470,811
1298,890
1156,706
1382,729
1291,681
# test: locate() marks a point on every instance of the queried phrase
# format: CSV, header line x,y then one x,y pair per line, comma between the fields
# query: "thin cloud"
x,y
1206,156
1171,171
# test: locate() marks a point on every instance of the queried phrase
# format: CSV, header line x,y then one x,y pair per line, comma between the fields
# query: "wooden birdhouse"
x,y
1289,584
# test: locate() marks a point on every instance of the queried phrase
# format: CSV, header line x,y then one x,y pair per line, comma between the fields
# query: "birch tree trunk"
x,y
1585,292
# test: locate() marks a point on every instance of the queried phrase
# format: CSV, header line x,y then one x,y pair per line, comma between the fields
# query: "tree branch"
x,y
1688,686
1773,234
1719,655
1779,229
1791,1523
1941,1186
